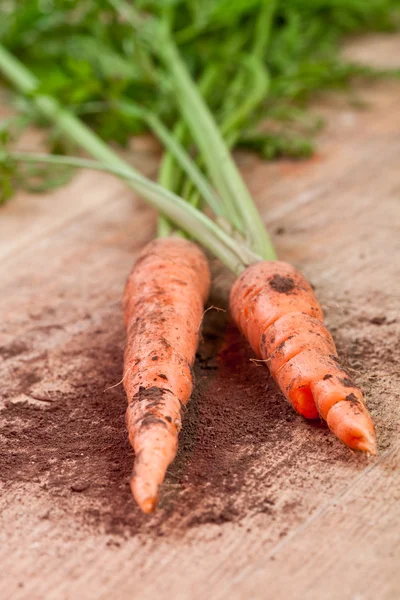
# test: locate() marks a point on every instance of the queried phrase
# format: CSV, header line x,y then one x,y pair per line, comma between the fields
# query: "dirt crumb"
x,y
283,285
379,320
79,486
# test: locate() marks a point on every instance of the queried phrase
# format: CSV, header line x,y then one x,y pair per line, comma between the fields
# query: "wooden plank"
x,y
350,548
314,521
29,218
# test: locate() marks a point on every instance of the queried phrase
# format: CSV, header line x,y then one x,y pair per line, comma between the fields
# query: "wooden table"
x,y
306,518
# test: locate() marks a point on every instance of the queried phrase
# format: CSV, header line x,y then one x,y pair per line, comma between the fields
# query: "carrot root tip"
x,y
147,504
367,444
352,426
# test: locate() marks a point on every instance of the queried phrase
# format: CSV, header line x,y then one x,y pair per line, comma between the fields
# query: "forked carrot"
x,y
163,308
276,309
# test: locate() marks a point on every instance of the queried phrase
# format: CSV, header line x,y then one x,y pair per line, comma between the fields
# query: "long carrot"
x,y
163,308
276,309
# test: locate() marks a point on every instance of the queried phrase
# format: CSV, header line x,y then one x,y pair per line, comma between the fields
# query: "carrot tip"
x,y
147,503
366,444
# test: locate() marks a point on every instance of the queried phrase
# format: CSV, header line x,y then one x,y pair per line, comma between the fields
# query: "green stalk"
x,y
233,120
217,157
177,150
197,115
167,174
176,156
263,28
230,126
190,189
214,152
167,169
256,93
166,180
198,225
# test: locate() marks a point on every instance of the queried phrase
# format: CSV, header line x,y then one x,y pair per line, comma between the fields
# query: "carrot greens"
x,y
201,76
83,53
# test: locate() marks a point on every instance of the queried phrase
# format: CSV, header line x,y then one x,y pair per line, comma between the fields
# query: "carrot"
x,y
276,309
163,308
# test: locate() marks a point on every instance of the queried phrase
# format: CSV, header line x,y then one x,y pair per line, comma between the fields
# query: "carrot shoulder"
x,y
163,308
276,309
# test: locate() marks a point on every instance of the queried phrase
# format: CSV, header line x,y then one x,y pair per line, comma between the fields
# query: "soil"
x,y
75,442
283,285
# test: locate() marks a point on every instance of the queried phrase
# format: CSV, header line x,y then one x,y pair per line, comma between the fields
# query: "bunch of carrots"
x,y
271,302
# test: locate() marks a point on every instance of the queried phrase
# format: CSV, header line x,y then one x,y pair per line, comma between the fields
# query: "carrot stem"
x,y
167,174
233,192
177,151
230,125
263,28
258,92
217,157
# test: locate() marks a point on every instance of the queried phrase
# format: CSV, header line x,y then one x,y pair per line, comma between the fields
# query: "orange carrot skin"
x,y
163,309
276,310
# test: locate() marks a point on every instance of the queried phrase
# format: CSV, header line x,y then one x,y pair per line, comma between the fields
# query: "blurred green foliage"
x,y
90,59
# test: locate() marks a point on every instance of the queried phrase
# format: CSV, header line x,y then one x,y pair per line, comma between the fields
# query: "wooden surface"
x,y
332,531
